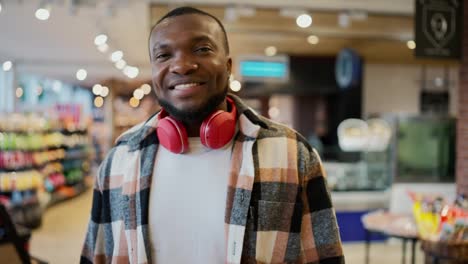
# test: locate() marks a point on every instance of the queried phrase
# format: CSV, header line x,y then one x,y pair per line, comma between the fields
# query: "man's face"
x,y
190,65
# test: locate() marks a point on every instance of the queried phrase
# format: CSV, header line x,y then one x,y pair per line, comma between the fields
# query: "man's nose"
x,y
183,65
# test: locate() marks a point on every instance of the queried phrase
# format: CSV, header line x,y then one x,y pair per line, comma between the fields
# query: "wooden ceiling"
x,y
377,38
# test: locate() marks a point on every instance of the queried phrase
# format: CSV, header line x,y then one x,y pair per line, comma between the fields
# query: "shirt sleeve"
x,y
320,238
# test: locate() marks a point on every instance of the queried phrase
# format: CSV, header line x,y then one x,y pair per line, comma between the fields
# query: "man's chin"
x,y
193,113
188,114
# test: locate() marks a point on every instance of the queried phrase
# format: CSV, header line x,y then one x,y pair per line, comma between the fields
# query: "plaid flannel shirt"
x,y
278,207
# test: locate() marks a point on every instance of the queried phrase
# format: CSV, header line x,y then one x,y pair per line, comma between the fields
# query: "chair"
x,y
17,236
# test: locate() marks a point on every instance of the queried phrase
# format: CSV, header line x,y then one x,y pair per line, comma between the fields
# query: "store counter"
x,y
351,206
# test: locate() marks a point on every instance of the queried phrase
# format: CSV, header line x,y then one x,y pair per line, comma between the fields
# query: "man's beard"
x,y
195,115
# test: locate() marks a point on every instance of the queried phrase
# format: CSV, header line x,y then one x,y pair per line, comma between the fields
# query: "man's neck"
x,y
193,130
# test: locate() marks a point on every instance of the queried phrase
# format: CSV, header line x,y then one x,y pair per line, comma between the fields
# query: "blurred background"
x,y
379,88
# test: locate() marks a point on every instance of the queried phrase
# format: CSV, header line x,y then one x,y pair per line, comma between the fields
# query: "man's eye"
x,y
161,56
204,49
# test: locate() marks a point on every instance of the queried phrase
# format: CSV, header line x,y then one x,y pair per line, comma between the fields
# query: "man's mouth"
x,y
185,86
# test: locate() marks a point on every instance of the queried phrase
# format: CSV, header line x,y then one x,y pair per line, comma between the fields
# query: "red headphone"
x,y
215,132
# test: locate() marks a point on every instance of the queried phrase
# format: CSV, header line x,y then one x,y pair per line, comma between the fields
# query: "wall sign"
x,y
438,28
264,69
347,69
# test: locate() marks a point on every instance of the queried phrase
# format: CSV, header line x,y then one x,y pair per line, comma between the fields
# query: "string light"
x,y
19,92
81,74
411,44
116,56
97,89
98,101
120,64
131,72
235,86
134,102
7,65
138,94
100,39
103,48
146,88
105,91
43,13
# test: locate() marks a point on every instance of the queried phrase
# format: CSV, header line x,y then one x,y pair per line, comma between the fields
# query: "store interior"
x,y
388,122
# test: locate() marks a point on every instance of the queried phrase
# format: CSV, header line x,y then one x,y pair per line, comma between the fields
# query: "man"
x,y
207,180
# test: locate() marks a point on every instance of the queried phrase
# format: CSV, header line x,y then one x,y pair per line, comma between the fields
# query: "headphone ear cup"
x,y
172,135
218,129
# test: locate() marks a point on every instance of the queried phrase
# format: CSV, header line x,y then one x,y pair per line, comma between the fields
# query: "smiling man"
x,y
206,179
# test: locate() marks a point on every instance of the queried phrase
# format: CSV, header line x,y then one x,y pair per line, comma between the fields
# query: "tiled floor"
x,y
60,238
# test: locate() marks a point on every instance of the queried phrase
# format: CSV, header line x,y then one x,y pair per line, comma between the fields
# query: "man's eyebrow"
x,y
159,46
204,38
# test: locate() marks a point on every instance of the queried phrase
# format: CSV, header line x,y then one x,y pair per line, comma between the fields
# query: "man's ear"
x,y
229,65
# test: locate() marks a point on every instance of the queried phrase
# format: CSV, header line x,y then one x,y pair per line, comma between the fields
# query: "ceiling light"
x,y
98,101
304,20
270,51
100,39
97,89
235,86
138,94
7,65
43,13
1,6
81,74
312,39
343,20
120,64
134,102
19,92
411,44
103,48
116,56
146,88
105,91
131,72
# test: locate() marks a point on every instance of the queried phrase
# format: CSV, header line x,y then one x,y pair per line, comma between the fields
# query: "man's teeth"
x,y
185,85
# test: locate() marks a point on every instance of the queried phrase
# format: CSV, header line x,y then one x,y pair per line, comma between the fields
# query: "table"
x,y
399,226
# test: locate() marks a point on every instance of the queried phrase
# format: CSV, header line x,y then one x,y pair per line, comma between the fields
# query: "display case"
x,y
425,149
421,150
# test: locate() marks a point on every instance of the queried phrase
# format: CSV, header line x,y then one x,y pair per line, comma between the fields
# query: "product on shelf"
x,y
20,181
42,154
438,220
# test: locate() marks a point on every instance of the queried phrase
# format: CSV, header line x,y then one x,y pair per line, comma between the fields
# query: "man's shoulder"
x,y
120,150
279,130
128,134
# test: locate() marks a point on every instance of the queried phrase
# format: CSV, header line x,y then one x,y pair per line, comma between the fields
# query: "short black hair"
x,y
187,10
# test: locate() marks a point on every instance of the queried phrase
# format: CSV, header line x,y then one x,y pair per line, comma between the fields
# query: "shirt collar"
x,y
249,125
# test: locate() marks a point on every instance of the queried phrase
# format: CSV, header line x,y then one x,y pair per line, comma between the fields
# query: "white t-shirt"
x,y
187,205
